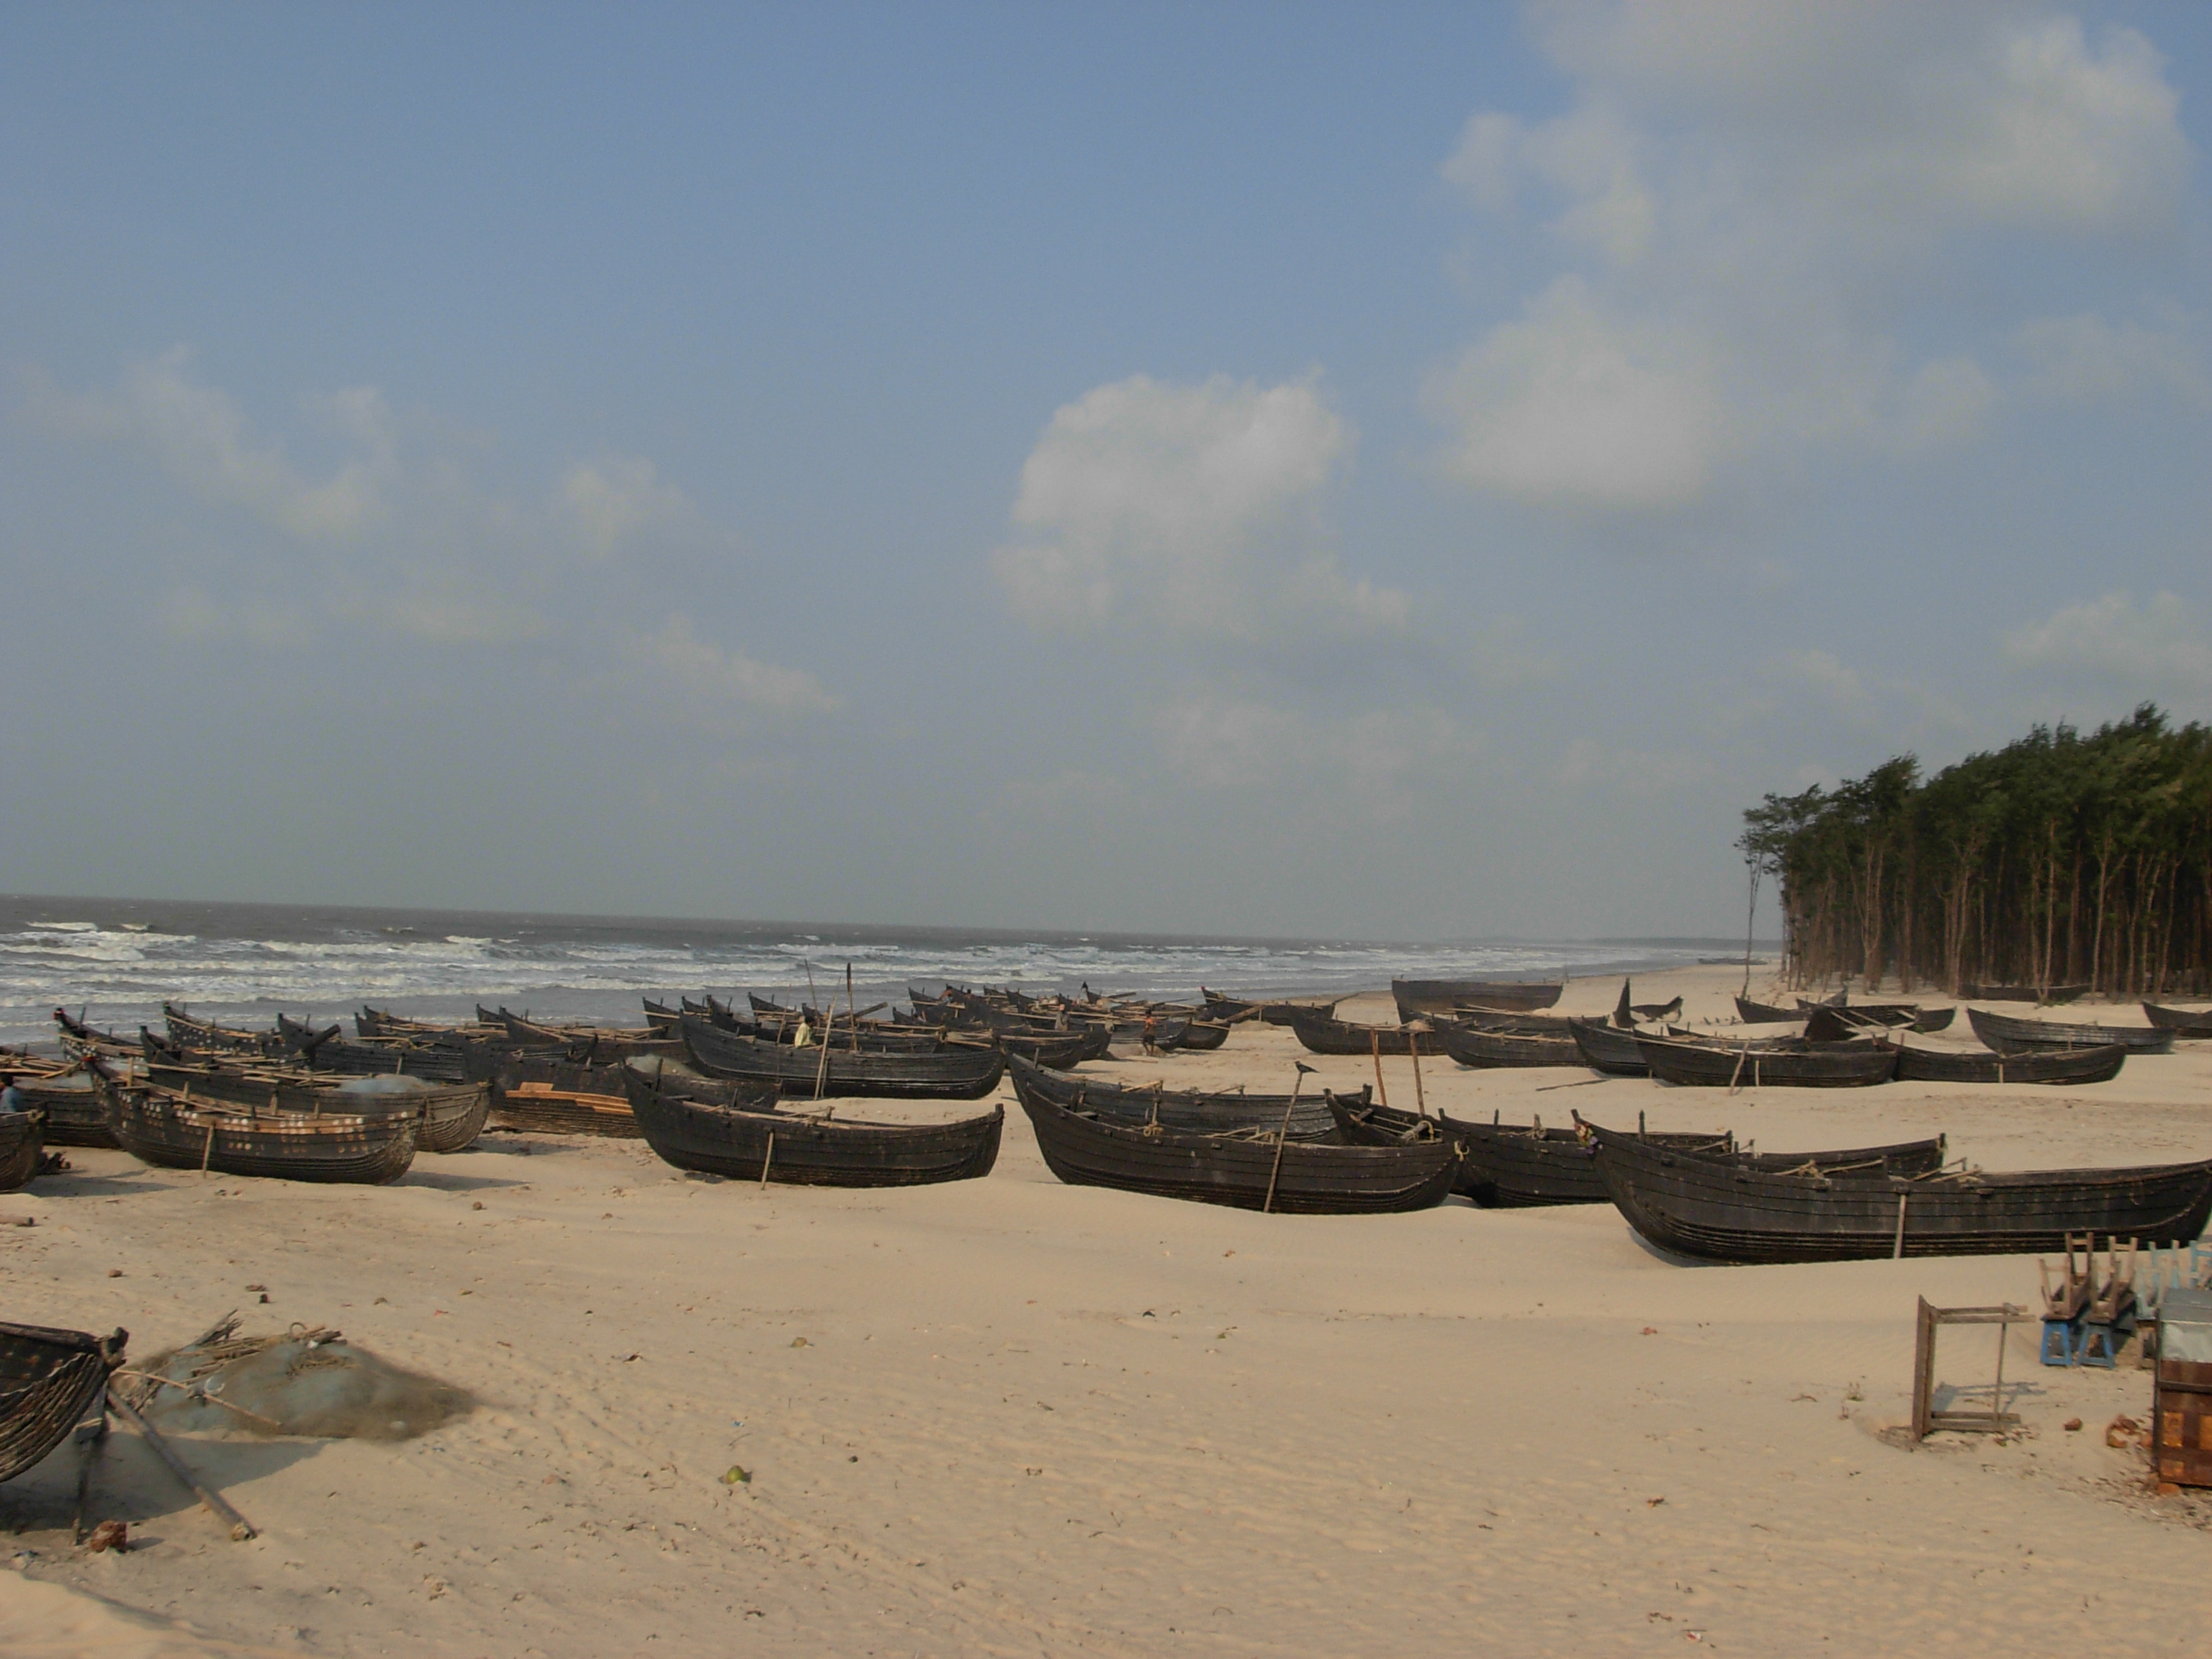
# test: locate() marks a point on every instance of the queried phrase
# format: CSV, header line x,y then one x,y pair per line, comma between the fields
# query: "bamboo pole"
x,y
1283,1135
1375,1044
1414,1052
241,1528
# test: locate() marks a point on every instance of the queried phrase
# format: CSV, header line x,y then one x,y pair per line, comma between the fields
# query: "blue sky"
x,y
1272,469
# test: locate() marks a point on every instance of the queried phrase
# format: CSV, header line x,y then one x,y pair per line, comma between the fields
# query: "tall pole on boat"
x,y
1283,1136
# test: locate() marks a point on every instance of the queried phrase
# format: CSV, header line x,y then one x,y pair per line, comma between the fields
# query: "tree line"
x,y
2059,860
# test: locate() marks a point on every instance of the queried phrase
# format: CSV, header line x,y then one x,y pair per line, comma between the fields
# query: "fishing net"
x,y
306,1381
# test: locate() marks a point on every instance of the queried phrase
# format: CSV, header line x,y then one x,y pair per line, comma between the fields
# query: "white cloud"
x,y
2085,358
200,438
1747,199
1196,510
190,616
1575,405
2163,645
724,681
616,499
1383,755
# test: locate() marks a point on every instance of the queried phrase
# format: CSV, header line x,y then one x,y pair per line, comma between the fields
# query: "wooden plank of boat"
x,y
161,1128
2053,1066
49,1379
1199,1111
1417,997
2187,1025
538,1094
1252,1171
1322,1035
1502,1048
1505,1019
1827,1066
955,1075
724,1129
2009,1036
1715,1211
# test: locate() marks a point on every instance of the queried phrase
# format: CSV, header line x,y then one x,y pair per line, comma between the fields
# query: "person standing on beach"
x,y
11,1098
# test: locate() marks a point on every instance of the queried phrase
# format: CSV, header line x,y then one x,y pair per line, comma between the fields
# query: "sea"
x,y
116,960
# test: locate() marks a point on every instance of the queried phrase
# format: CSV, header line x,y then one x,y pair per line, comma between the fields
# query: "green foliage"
x,y
2058,860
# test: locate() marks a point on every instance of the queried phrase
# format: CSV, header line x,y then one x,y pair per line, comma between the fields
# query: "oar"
x,y
241,1528
1283,1135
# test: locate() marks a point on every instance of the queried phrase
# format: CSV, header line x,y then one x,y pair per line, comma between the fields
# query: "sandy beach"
x,y
1008,1416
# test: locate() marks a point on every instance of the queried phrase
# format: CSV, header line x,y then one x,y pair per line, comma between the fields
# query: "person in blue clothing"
x,y
11,1098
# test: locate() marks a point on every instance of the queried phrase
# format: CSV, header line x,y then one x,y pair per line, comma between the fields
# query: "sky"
x,y
1398,472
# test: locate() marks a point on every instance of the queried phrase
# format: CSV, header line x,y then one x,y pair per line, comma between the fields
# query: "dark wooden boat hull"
x,y
537,1094
1203,1035
2053,1066
1419,998
76,1115
2056,993
2187,1025
189,1033
1498,1049
22,1147
1291,1177
1321,1034
1767,1013
449,1117
714,1139
1190,1110
1710,1210
1608,1049
155,1127
49,1379
1710,1065
957,1075
2008,1036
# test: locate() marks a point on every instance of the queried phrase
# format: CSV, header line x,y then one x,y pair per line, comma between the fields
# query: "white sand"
x,y
1034,1418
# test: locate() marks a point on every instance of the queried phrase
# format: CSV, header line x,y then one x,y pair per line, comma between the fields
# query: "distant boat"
x,y
1417,997
2008,1036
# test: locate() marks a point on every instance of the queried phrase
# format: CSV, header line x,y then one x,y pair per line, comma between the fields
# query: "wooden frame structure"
x,y
1926,1419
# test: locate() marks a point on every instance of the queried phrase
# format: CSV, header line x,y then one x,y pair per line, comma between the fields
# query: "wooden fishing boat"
x,y
1503,1019
1199,1111
78,1038
1767,1013
1521,1165
537,1093
1253,1170
50,1381
722,1128
1481,1048
1418,997
1715,1211
1607,1048
595,1043
22,1147
1752,1065
2187,1025
1202,1035
1231,1011
76,1111
833,1073
2052,994
159,1127
1320,1034
449,1116
2008,1036
2054,1066
191,1033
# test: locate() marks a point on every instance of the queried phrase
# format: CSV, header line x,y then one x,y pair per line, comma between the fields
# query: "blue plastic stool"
x,y
2062,1342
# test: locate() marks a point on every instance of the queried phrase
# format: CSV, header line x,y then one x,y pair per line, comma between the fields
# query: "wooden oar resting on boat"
x,y
2008,1036
1320,1034
1753,1066
725,1129
2056,1066
1197,1110
1716,1210
158,1126
1253,1169
826,1070
49,1379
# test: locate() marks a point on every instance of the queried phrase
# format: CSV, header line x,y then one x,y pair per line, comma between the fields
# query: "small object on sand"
x,y
115,1273
478,1205
737,1476
256,1287
2073,1426
1653,1502
23,1221
1651,1330
265,1295
798,1342
2121,1432
109,1536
